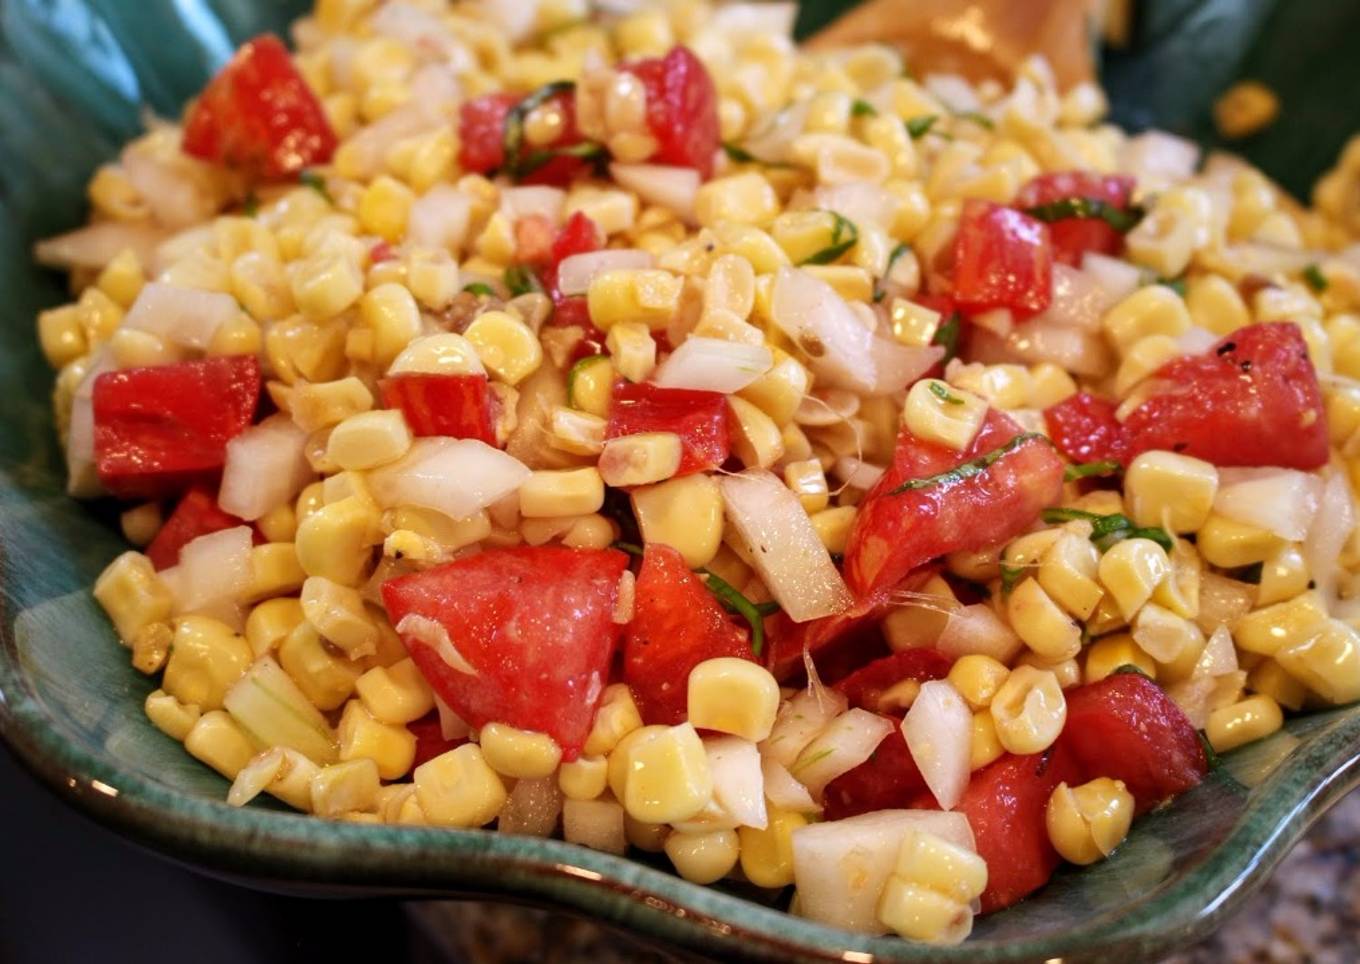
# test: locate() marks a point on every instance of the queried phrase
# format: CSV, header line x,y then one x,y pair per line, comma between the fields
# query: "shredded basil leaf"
x,y
1126,669
1210,754
317,183
480,288
1106,530
251,205
513,132
969,469
816,757
1121,220
844,236
586,150
940,391
1175,284
738,153
521,280
978,118
947,336
1251,574
1315,278
862,108
1010,575
897,252
918,127
1086,470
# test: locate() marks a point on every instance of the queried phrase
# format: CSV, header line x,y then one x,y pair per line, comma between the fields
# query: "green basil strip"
x,y
947,336
513,136
939,390
1175,284
738,153
1084,207
918,127
969,469
978,118
521,280
586,150
317,183
1127,669
862,108
844,236
1086,470
1211,756
480,288
1010,575
1106,530
897,252
1315,278
251,205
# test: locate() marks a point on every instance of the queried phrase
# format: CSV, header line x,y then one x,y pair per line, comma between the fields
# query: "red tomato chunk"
x,y
1084,428
536,625
259,115
888,780
430,742
1073,237
456,406
196,515
699,418
682,109
579,235
677,624
161,429
894,534
1002,259
867,686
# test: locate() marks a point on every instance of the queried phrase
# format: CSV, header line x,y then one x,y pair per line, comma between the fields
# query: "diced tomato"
x,y
682,109
866,686
536,625
161,429
1084,428
699,418
677,624
579,235
259,115
888,780
430,741
894,534
1002,259
481,135
380,252
534,235
1125,727
1005,804
196,515
1252,399
456,406
1073,237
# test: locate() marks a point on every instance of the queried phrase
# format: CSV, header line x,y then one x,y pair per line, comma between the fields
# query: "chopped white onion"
x,y
1079,301
266,466
96,245
734,20
423,31
1219,656
1080,352
1116,277
856,473
187,317
738,782
819,409
1282,501
1331,529
432,633
173,189
577,271
451,725
1196,340
799,721
673,188
533,200
454,476
841,351
784,791
82,477
256,776
861,202
597,824
787,553
1198,696
1158,160
978,629
439,218
531,809
713,365
215,567
847,741
771,143
939,732
841,866
515,18
366,149
954,91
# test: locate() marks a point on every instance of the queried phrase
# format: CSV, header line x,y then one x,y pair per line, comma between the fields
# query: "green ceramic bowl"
x,y
72,77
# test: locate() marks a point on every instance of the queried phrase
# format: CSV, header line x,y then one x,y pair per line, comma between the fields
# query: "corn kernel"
x,y
122,278
1328,663
218,741
807,480
1168,489
322,405
767,855
334,540
935,412
559,492
132,594
170,716
270,622
985,746
206,658
395,694
833,527
1229,544
1130,570
616,717
1215,304
632,349
703,858
325,284
520,754
647,296
734,696
741,198
61,335
640,459
1269,678
1086,823
1041,623
919,913
977,678
1029,710
368,440
668,778
1152,310
1067,574
459,789
337,613
274,571
327,680
392,748
384,208
1165,636
506,346
1243,722
1111,652
1270,628
344,787
684,513
584,778
1283,576
590,384
756,439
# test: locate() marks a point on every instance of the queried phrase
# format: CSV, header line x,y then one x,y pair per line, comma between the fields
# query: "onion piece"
x,y
1078,300
451,725
784,791
841,866
1080,352
439,218
1331,530
954,91
713,365
514,18
841,351
799,722
939,732
1196,340
861,202
95,245
423,31
266,466
188,317
1219,656
670,187
978,629
847,741
1116,277
597,824
172,187
1158,160
732,20
534,200
738,781
531,809
454,476
214,568
856,473
788,555
1282,501
577,271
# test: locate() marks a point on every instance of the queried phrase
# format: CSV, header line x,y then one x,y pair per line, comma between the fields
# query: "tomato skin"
x,y
894,534
456,406
866,686
1125,727
699,418
1073,237
677,624
160,429
1002,258
682,109
888,780
1252,399
579,235
430,742
535,623
259,115
1084,428
197,514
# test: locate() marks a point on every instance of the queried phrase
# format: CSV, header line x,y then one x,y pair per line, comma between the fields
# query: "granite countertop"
x,y
1309,912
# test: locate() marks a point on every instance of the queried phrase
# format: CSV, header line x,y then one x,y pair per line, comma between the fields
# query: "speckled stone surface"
x,y
1308,913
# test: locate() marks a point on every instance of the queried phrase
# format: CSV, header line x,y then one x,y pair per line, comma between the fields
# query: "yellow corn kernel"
x,y
756,439
1068,575
986,745
913,324
345,787
325,404
1168,489
752,244
1269,678
579,433
1029,710
640,459
1041,623
584,778
977,678
206,657
1164,636
1130,570
325,284
1230,545
805,234
150,647
619,759
170,716
122,278
1027,552
1328,663
368,440
98,315
432,277
1152,310
391,313
667,778
1215,303
391,747
684,513
1270,628
274,570
590,385
1108,654
337,613
132,594
1086,823
395,694
919,913
519,754
506,346
270,622
217,740
1066,671
325,678
278,524
240,335
936,864
734,696
648,296
807,481
1004,386
334,540
741,198
1283,576
920,624
1243,722
1143,358
459,789
936,412
559,492
767,855
632,349
779,391
703,858
61,335
731,286
833,527
384,207
1049,385
616,717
